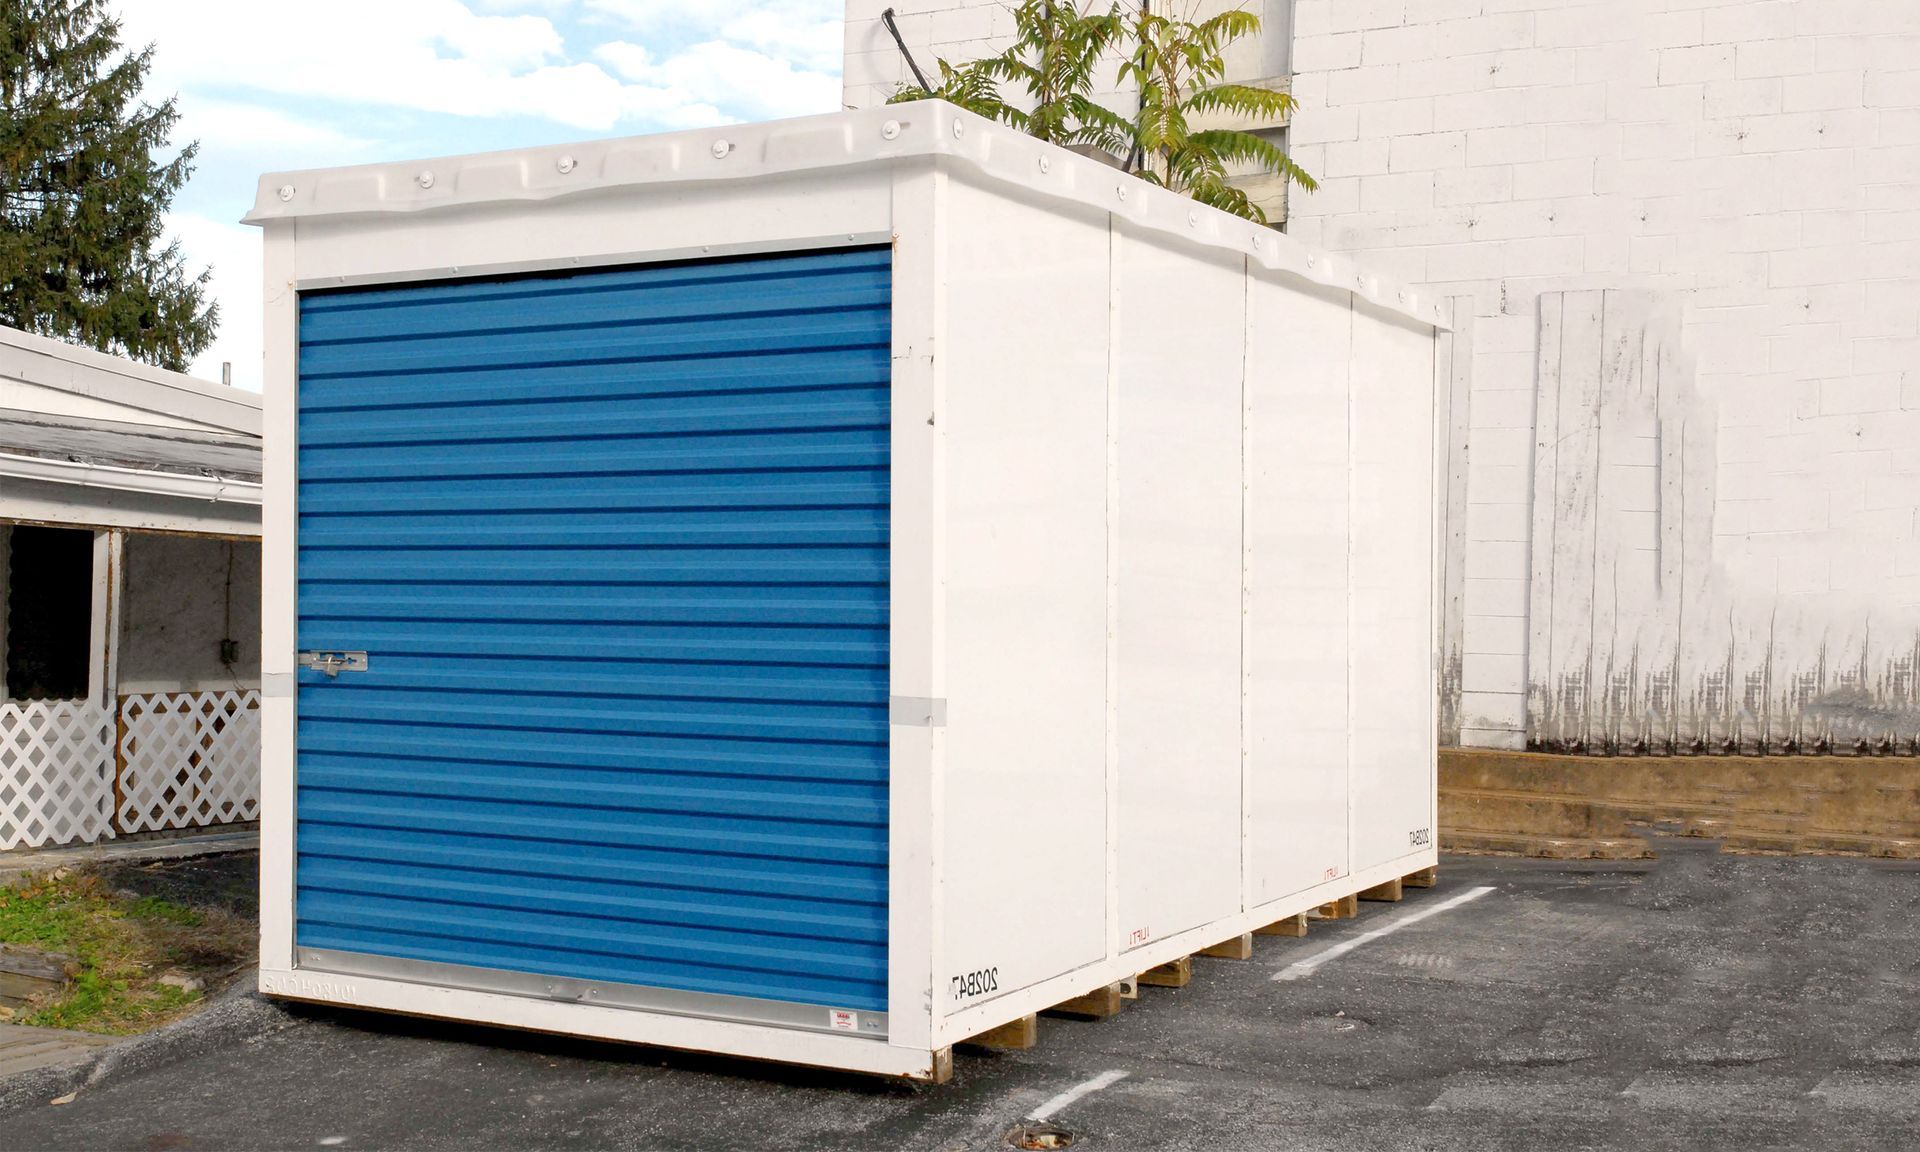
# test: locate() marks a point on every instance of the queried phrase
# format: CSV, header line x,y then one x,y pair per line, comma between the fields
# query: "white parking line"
x,y
1302,968
1104,1080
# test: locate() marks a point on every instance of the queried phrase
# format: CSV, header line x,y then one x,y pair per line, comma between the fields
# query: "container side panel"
x,y
1180,362
1297,570
1393,703
616,547
1025,420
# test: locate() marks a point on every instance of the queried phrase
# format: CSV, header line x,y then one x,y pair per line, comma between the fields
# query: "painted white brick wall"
x,y
1757,161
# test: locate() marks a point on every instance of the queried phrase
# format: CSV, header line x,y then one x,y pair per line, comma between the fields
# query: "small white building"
x,y
129,597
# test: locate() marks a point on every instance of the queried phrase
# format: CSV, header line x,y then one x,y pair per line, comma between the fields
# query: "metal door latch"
x,y
334,663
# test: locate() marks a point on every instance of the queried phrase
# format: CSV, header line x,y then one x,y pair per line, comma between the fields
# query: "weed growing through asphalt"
x,y
121,945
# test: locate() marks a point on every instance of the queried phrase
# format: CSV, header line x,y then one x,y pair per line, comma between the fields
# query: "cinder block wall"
x,y
1745,174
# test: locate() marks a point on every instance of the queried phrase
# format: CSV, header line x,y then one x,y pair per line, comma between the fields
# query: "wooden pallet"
x,y
1391,892
1174,974
1295,925
1344,908
1238,948
1106,1002
1014,1035
1095,1005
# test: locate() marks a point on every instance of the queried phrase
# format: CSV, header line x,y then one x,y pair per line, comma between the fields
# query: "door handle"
x,y
334,663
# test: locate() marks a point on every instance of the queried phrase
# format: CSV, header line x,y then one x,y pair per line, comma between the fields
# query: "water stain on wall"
x,y
1640,639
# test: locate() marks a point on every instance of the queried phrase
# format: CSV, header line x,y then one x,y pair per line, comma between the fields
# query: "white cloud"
x,y
426,55
510,42
235,126
715,73
815,44
523,5
805,32
441,56
233,252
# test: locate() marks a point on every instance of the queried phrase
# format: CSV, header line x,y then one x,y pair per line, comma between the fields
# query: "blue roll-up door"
x,y
615,545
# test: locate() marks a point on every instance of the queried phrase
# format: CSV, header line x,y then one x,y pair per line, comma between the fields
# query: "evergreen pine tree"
x,y
83,194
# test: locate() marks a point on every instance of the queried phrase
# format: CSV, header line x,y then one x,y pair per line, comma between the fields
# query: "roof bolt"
x,y
425,179
286,193
959,129
1046,164
720,149
1309,261
1121,192
568,164
1193,219
890,130
1403,297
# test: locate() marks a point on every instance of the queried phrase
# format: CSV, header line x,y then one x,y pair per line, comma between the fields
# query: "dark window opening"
x,y
49,613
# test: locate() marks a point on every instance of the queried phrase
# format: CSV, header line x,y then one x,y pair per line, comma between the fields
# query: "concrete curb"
x,y
14,865
236,1016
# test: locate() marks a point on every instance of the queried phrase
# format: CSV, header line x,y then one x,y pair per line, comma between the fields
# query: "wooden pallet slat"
x,y
1097,1004
1014,1035
1295,925
1425,878
1344,908
1175,974
1390,892
1238,948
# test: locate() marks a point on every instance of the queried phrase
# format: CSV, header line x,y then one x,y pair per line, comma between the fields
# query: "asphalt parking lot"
x,y
1700,1001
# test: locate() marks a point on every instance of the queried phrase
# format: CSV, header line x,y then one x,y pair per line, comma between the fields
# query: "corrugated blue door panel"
x,y
616,544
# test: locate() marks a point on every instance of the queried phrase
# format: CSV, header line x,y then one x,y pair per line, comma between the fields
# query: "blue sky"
x,y
264,85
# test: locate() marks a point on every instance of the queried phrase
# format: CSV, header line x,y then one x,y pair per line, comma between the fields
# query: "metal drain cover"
x,y
1039,1136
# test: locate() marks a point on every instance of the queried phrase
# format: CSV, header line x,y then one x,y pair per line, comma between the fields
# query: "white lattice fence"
x,y
56,773
188,760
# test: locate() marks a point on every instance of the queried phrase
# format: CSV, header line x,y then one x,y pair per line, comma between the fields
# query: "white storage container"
x,y
819,591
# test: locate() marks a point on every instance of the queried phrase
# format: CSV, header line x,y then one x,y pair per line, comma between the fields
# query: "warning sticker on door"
x,y
843,1021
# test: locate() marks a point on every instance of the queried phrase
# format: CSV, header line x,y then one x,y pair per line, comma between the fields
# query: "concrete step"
x,y
1489,842
1710,780
1587,806
1507,809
